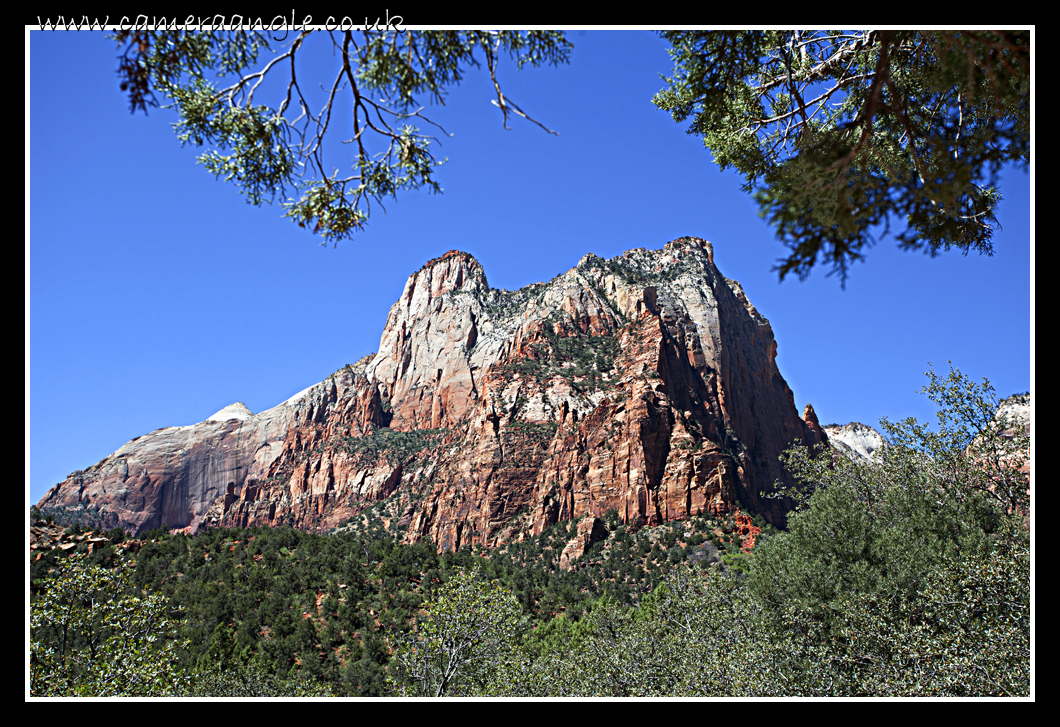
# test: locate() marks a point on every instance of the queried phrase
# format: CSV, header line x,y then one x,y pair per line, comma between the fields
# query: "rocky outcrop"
x,y
861,440
173,475
855,439
646,384
44,537
1016,412
590,530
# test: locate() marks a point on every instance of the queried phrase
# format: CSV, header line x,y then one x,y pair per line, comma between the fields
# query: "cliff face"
x,y
646,383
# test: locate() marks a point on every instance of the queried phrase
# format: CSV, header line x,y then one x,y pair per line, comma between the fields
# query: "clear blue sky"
x,y
156,296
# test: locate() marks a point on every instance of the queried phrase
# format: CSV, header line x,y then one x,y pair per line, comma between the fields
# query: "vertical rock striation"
x,y
646,384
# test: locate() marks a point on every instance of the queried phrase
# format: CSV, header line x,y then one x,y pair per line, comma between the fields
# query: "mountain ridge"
x,y
646,383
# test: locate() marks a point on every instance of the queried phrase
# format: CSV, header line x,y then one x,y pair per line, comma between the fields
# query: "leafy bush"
x,y
94,635
468,629
908,574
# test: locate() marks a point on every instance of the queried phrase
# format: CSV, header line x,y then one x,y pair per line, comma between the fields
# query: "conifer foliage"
x,y
283,146
841,133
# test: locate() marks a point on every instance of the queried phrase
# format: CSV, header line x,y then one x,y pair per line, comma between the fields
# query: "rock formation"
x,y
861,440
646,384
590,530
856,439
1016,410
44,537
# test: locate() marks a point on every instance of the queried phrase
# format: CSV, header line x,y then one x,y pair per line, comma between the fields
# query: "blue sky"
x,y
156,296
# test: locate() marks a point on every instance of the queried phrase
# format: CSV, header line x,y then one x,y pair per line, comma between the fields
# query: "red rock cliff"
x,y
646,384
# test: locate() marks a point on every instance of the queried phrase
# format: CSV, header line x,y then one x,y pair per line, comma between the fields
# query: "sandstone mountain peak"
x,y
238,410
856,439
862,441
645,384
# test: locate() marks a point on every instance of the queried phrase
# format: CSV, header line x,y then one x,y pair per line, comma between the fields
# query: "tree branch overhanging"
x,y
254,146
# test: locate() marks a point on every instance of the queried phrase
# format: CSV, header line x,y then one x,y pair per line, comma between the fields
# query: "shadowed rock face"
x,y
645,384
